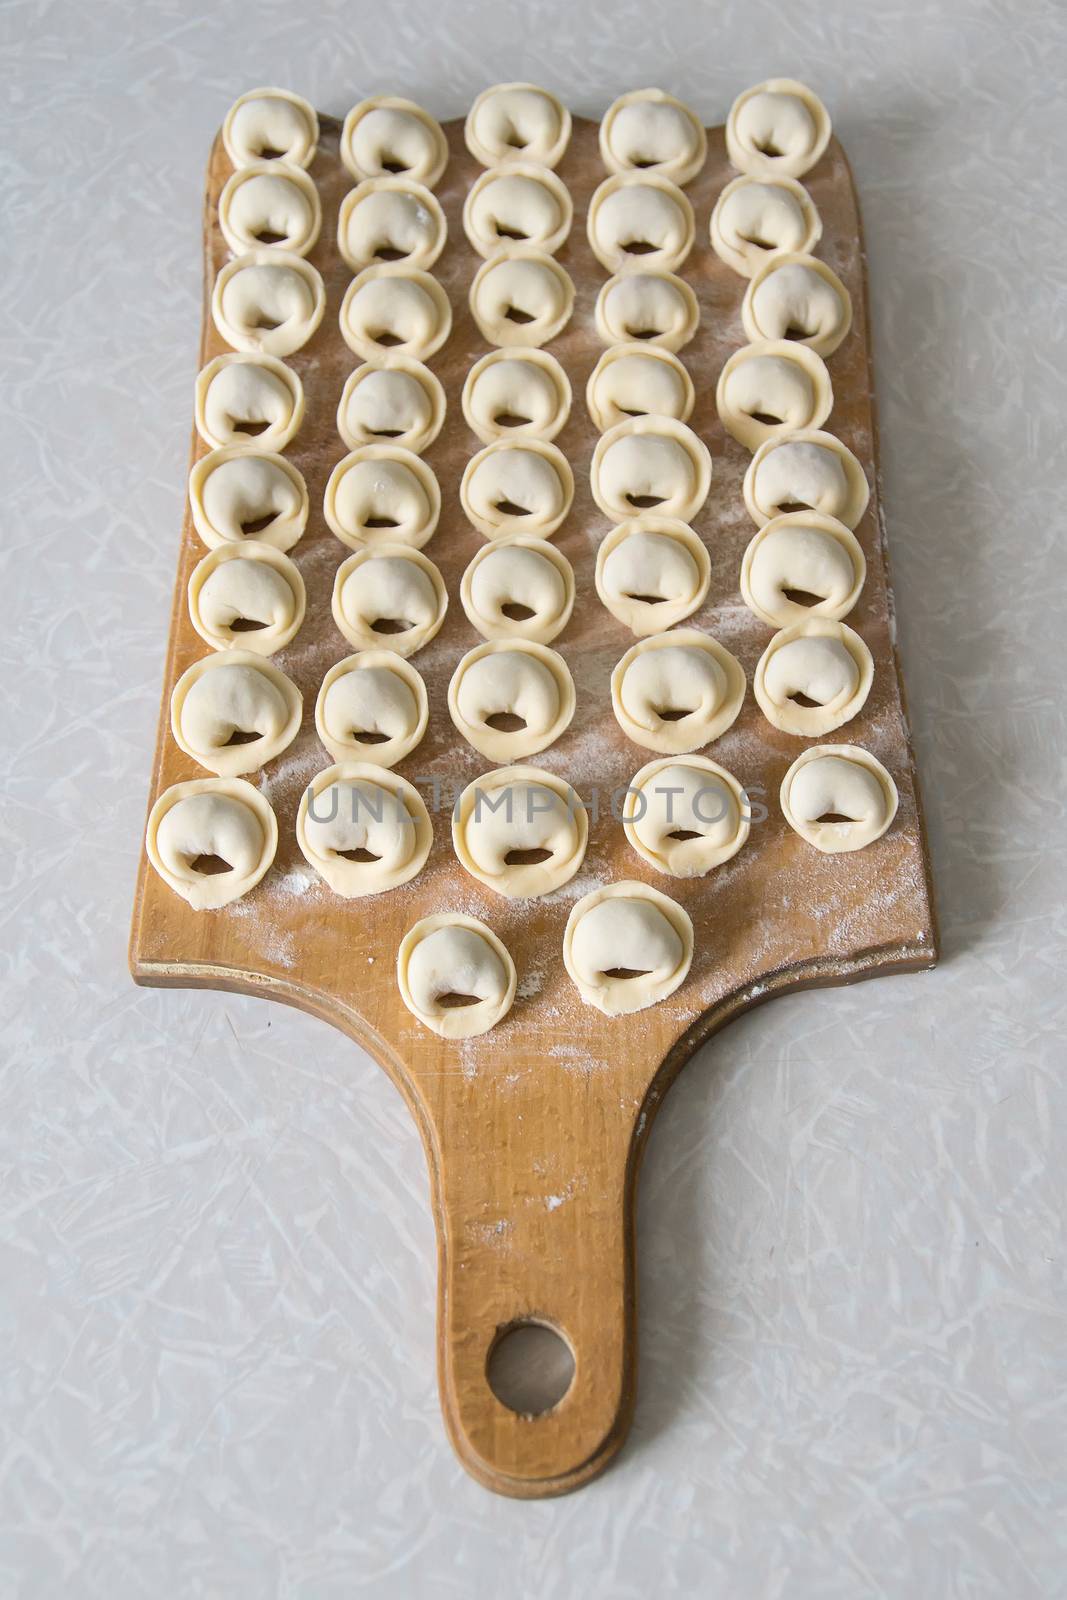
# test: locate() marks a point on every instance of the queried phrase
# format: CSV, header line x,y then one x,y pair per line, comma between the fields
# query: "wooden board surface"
x,y
533,1133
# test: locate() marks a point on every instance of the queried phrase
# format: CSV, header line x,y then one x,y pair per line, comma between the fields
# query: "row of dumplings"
x,y
804,569
364,829
519,830
776,128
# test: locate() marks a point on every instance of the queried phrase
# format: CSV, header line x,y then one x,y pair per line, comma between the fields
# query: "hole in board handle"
x,y
530,1367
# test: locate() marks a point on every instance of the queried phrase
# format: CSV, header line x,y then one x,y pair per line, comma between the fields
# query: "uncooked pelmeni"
x,y
637,380
521,831
686,815
372,706
390,219
808,470
389,597
518,588
517,204
455,976
363,829
517,122
771,388
516,394
236,494
520,486
638,218
650,131
194,828
233,712
511,698
796,296
270,205
651,572
381,493
246,597
248,400
626,946
775,128
838,797
802,554
268,300
521,297
391,399
393,308
654,308
388,137
271,125
674,692
650,464
755,218
813,677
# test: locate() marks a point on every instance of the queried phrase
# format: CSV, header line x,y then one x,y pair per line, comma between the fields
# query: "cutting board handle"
x,y
557,1250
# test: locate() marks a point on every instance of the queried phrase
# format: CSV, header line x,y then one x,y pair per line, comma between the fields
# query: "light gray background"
x,y
216,1278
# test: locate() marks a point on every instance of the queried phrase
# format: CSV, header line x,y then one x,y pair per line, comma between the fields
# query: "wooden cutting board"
x,y
534,1132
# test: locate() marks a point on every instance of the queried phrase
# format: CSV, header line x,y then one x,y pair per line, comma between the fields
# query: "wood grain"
x,y
534,1132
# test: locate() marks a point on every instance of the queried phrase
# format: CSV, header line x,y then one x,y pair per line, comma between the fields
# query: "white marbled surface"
x,y
216,1314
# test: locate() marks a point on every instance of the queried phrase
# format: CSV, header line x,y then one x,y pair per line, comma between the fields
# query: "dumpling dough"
x,y
371,708
674,692
655,308
391,400
809,470
756,217
685,817
639,218
525,486
271,125
453,958
206,821
234,712
381,493
511,698
248,400
385,136
270,206
390,219
650,463
650,131
516,394
363,829
268,300
246,596
813,677
802,553
626,946
372,704
796,296
638,380
517,122
519,588
521,297
517,204
521,831
771,388
775,128
651,572
389,597
237,494
847,786
393,309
